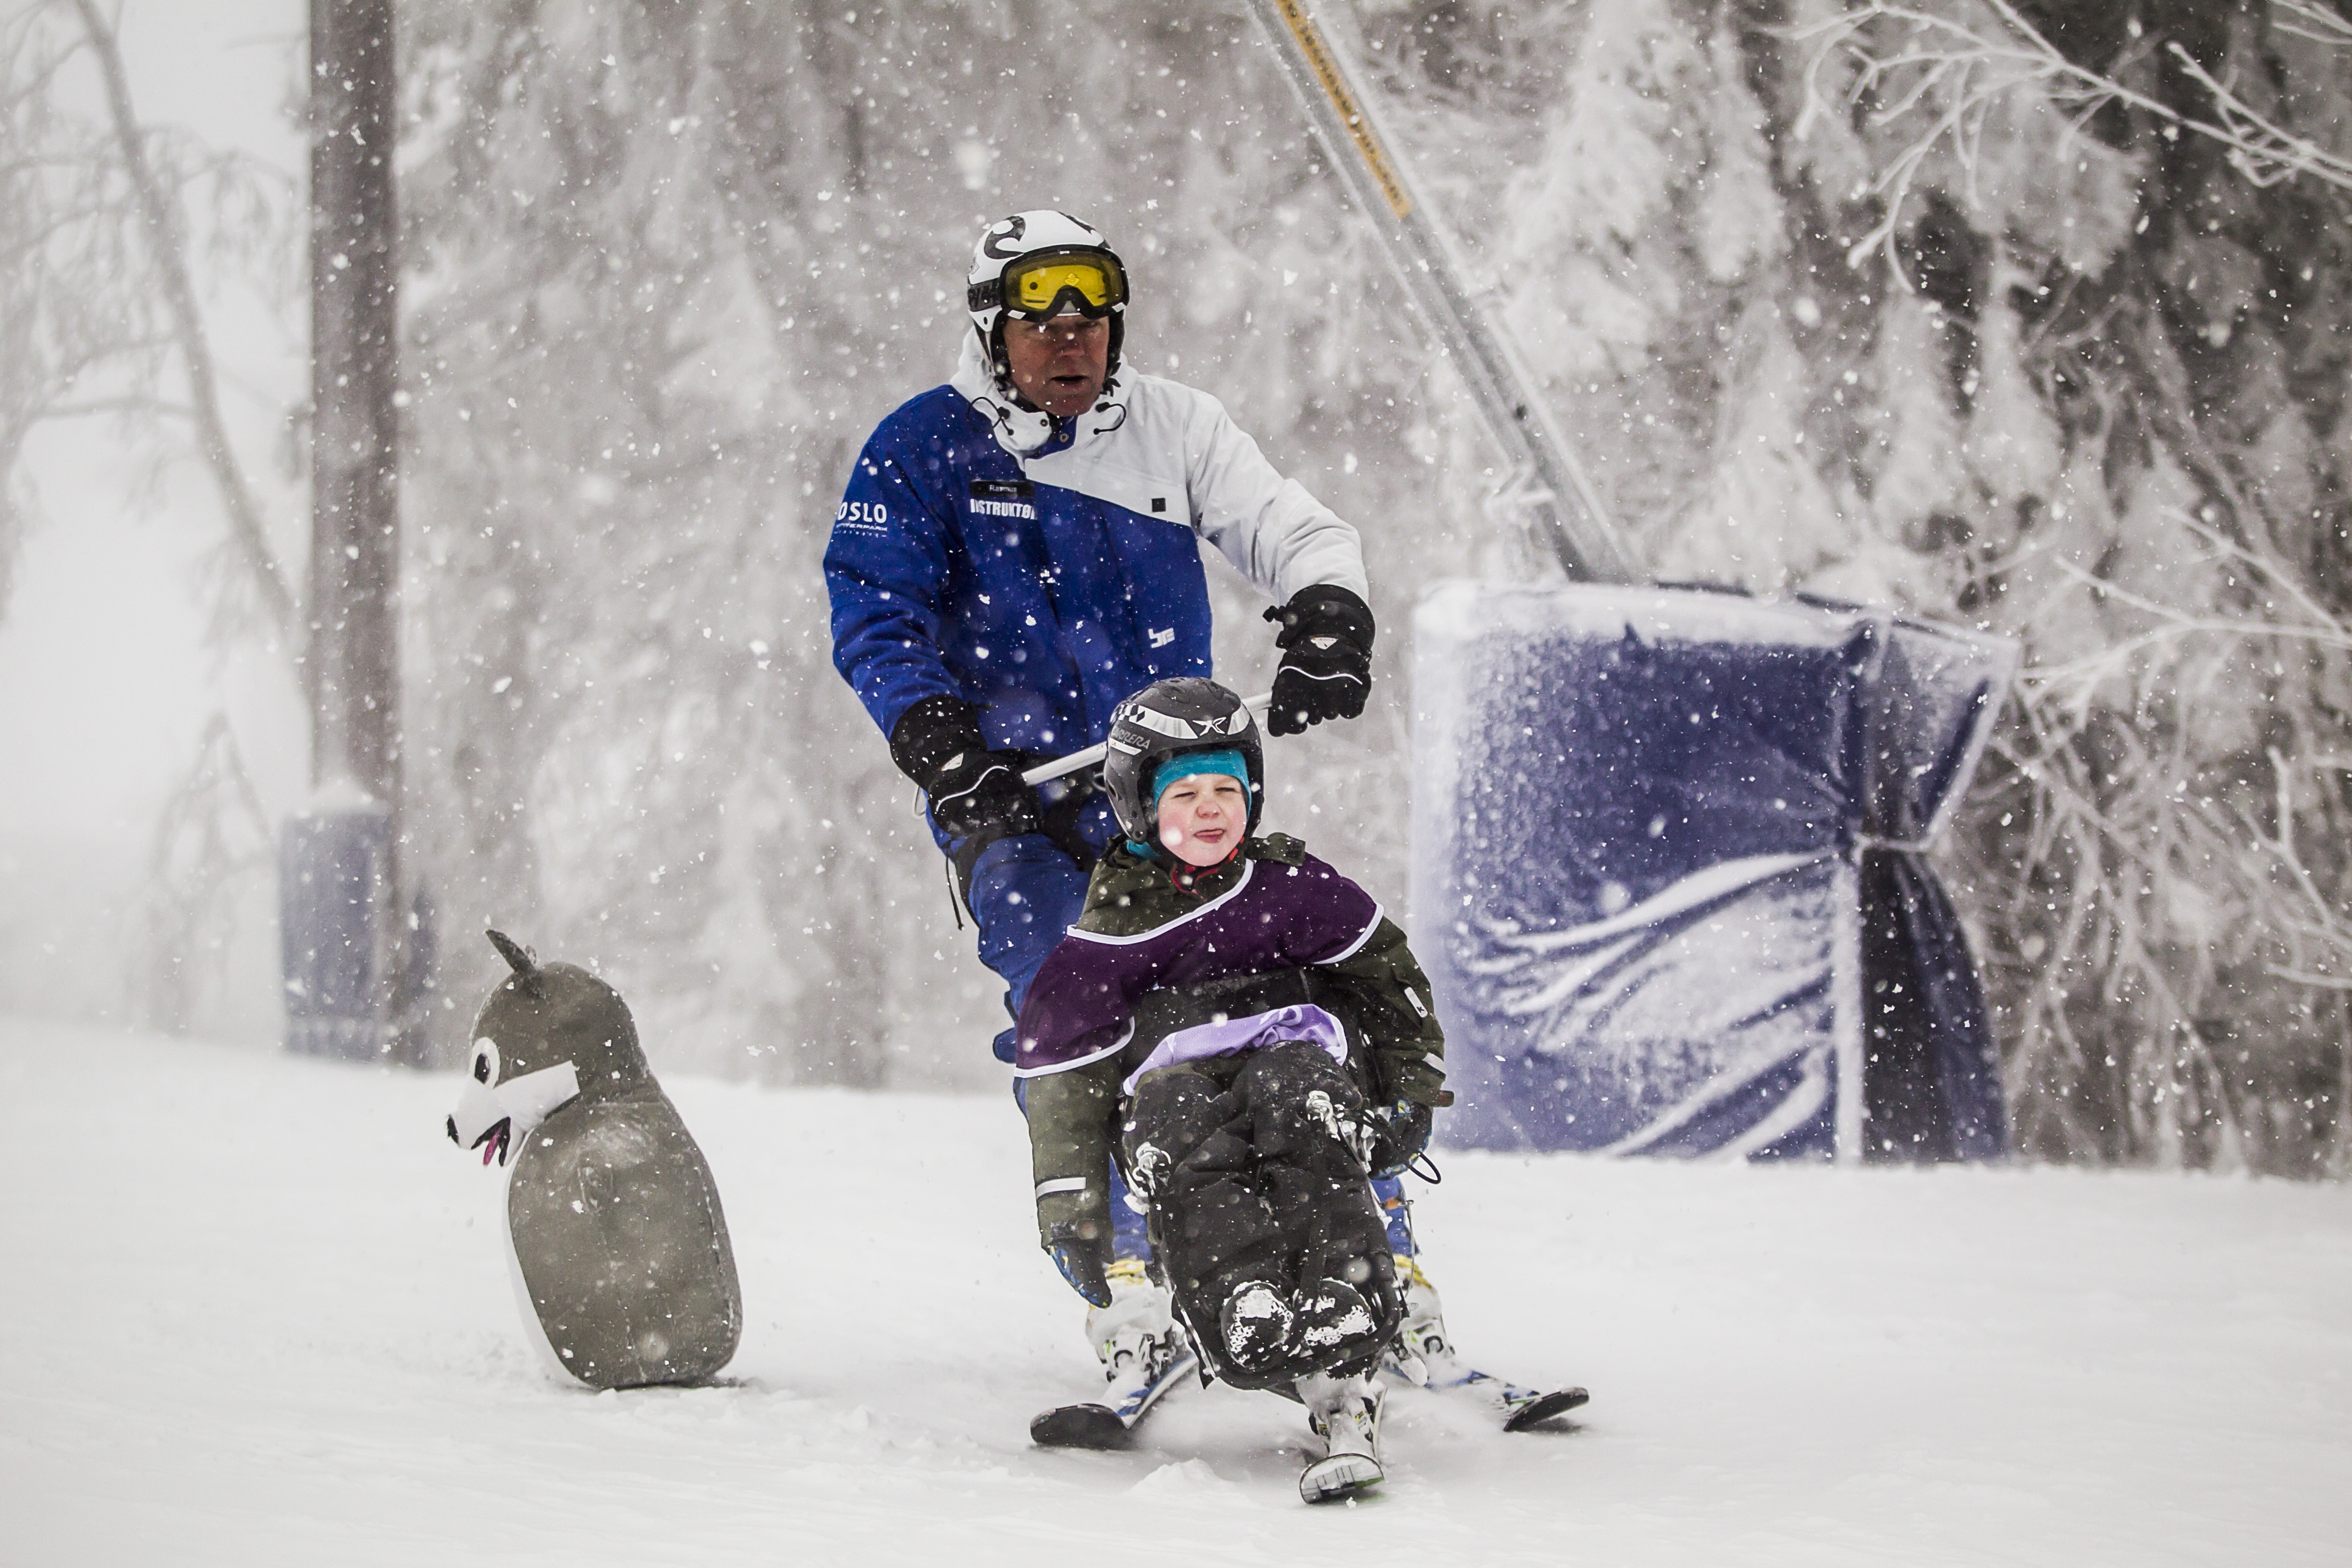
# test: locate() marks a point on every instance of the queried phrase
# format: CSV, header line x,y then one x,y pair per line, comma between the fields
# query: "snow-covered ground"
x,y
255,1311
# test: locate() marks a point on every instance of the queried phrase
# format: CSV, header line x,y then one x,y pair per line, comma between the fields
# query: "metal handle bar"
x,y
1077,761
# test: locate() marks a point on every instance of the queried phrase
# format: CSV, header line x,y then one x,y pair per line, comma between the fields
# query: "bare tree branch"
x,y
2317,22
1947,63
2263,153
160,213
128,405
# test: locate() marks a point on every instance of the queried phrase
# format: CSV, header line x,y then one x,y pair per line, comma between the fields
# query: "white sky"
x,y
104,685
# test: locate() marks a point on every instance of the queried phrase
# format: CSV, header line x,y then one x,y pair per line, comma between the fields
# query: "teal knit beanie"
x,y
1186,766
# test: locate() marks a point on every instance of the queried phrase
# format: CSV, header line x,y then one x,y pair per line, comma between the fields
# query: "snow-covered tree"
x,y
667,265
2027,316
106,226
1953,306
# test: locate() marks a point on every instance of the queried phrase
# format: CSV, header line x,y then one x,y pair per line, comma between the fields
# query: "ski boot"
x,y
1144,1353
1345,1411
1137,1336
1424,1351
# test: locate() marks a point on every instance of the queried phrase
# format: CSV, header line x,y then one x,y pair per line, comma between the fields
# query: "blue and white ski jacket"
x,y
1044,570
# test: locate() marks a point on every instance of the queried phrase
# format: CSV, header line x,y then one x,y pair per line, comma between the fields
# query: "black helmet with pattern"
x,y
1168,719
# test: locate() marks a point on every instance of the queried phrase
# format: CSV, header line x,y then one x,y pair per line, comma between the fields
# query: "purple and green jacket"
x,y
1160,967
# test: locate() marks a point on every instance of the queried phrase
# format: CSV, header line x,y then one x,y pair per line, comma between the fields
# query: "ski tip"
x,y
1339,1476
1079,1426
1545,1408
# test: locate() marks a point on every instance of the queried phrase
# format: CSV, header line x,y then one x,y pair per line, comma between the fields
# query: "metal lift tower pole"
x,y
1544,477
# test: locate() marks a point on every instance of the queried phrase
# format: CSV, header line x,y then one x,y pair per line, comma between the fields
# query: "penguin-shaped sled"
x,y
618,1244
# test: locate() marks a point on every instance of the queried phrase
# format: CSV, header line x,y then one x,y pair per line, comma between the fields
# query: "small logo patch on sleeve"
x,y
1158,504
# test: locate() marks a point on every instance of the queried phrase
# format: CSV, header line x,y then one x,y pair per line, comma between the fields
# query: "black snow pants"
x,y
1247,1165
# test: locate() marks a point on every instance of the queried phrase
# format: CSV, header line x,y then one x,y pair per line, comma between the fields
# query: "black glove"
x,y
1327,658
1072,1230
938,744
1081,1263
1400,1132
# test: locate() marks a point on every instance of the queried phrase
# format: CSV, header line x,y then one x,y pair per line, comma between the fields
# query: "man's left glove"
x,y
1327,658
1400,1132
937,743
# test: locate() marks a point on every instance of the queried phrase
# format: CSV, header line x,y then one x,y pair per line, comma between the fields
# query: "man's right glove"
x,y
1400,1132
938,744
1327,658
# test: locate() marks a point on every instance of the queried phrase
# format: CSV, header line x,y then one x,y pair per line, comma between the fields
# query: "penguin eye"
x,y
486,1061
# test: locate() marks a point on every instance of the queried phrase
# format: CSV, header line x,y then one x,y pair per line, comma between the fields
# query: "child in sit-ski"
x,y
1239,1026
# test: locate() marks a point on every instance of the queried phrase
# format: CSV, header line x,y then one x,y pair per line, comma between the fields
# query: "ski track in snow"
x,y
257,1312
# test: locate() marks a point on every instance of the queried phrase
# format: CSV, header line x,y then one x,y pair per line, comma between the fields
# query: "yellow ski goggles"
x,y
1040,287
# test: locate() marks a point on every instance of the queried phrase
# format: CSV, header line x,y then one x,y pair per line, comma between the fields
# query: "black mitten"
x,y
938,744
1081,1263
1327,658
1400,1132
1074,1227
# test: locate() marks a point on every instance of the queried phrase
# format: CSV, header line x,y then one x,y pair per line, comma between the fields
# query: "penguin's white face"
x,y
491,1115
545,1033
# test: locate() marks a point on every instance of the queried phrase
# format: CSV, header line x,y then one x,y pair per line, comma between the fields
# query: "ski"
x,y
1095,1426
1521,1408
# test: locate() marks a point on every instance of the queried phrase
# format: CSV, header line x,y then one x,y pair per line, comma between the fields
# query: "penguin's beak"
x,y
496,1136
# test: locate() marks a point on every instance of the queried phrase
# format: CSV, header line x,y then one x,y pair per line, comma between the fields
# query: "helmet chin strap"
x,y
992,349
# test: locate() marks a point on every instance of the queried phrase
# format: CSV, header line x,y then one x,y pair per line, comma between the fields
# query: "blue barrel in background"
x,y
335,912
1666,873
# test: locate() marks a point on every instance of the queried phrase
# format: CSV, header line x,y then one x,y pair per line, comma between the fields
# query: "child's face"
x,y
1201,817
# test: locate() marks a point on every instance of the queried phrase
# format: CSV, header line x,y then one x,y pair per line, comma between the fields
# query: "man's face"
x,y
1059,365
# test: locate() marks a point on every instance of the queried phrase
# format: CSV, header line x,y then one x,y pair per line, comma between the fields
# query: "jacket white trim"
x,y
1159,448
1249,869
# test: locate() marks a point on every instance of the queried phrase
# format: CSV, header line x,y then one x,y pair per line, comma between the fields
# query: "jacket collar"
x,y
1026,432
1205,882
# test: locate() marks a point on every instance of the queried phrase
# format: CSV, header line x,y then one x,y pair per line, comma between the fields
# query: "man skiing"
x,y
1015,554
1252,1039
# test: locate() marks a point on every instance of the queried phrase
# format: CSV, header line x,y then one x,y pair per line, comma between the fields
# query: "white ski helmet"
x,y
1038,265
